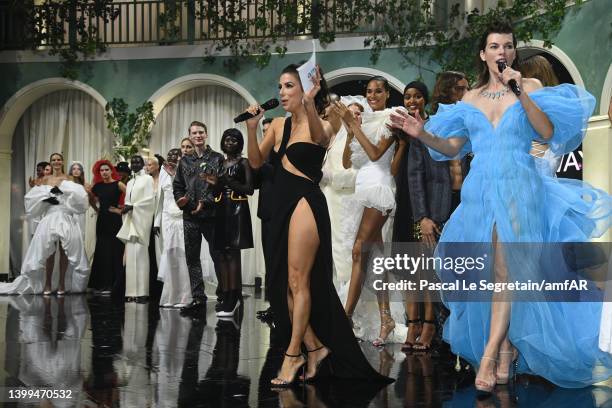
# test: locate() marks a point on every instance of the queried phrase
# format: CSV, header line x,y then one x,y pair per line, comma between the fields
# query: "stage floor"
x,y
136,355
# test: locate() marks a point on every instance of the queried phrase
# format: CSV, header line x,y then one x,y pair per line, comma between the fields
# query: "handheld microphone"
x,y
501,65
267,105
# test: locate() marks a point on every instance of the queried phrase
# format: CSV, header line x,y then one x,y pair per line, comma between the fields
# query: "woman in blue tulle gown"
x,y
505,200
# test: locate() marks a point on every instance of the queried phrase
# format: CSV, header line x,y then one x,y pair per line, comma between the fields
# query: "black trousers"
x,y
194,229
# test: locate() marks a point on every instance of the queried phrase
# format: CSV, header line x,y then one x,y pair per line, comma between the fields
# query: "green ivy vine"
x,y
419,32
412,26
44,26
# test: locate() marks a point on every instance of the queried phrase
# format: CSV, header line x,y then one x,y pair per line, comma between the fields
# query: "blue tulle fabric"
x,y
504,193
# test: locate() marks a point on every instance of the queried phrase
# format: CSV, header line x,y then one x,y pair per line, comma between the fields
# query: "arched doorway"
x,y
565,70
354,80
215,101
11,113
70,122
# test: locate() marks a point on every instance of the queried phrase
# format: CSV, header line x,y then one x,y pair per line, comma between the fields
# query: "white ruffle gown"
x,y
374,188
172,268
57,225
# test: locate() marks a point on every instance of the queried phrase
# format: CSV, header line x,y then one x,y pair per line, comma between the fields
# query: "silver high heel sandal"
x,y
387,324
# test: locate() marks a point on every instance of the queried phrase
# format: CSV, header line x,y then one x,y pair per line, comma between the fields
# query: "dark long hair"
x,y
322,99
380,78
385,82
497,27
80,180
443,91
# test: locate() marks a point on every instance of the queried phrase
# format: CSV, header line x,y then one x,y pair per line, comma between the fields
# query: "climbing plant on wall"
x,y
423,31
251,31
50,22
415,28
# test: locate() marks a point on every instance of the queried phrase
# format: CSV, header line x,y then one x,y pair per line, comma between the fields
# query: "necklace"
x,y
494,95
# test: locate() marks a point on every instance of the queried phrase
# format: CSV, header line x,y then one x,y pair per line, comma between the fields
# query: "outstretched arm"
x,y
414,126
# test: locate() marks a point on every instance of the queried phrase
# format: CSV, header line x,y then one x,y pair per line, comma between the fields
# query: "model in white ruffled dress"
x,y
370,149
172,268
56,202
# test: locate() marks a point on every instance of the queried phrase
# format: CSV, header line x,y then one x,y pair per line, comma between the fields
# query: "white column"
x,y
597,151
5,206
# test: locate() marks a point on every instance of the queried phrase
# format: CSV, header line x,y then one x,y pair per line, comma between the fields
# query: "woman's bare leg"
x,y
500,318
387,324
303,244
372,222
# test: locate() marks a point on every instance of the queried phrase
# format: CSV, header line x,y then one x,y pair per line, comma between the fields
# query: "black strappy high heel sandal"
x,y
283,383
421,347
319,363
417,325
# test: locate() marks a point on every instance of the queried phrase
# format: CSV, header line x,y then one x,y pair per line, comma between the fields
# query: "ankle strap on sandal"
x,y
317,349
488,358
429,321
294,355
413,321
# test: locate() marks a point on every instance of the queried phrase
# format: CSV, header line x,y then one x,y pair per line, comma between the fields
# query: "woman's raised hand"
x,y
413,126
257,113
343,112
316,87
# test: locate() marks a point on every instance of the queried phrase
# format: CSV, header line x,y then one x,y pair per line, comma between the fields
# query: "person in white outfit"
x,y
172,268
370,149
135,232
56,201
338,185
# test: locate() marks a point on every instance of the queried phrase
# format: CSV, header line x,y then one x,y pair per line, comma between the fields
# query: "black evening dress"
x,y
327,317
233,222
107,265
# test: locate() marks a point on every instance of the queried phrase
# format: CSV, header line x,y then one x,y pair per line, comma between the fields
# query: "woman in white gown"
x,y
56,201
338,185
172,265
370,149
77,174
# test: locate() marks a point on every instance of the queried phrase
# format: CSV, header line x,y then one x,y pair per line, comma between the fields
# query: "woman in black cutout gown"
x,y
307,311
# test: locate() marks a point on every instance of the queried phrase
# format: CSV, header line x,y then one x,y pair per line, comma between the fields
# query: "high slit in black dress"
x,y
327,317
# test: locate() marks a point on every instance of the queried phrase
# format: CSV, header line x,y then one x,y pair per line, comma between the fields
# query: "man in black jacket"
x,y
194,194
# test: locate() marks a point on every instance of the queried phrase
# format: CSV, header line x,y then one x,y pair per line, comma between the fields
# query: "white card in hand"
x,y
307,71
